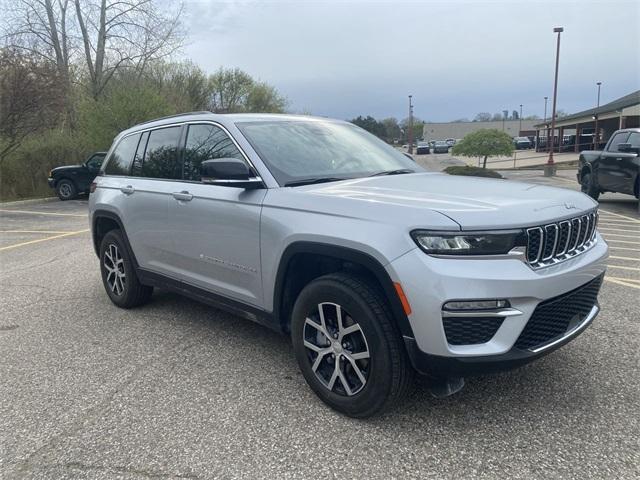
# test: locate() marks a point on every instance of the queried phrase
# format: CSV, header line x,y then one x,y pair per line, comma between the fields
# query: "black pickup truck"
x,y
71,180
614,169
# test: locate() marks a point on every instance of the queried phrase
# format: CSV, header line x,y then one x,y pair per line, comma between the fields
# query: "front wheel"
x,y
66,190
348,348
587,185
118,273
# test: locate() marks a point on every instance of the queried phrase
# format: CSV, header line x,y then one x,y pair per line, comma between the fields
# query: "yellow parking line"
x,y
624,268
623,282
624,258
42,239
50,232
44,213
619,215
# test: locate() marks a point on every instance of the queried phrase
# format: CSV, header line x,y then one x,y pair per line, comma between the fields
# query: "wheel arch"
x,y
103,221
303,261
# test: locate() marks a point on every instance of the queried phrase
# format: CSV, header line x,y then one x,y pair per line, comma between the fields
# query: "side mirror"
x,y
229,172
628,148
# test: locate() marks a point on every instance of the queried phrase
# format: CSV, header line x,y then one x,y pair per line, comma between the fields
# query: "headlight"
x,y
469,243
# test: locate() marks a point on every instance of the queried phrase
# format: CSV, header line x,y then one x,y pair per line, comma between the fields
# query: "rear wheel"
x,y
66,190
587,185
347,346
118,273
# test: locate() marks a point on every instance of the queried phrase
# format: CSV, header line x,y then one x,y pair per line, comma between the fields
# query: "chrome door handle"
x,y
128,190
183,196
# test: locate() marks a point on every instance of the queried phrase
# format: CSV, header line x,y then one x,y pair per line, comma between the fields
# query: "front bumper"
x,y
51,182
430,282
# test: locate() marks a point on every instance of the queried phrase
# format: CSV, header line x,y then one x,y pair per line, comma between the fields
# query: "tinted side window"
x,y
120,159
205,142
617,140
161,156
136,166
634,139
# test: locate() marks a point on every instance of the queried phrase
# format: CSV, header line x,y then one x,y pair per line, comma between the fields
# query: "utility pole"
x,y
410,125
520,131
596,132
550,168
545,121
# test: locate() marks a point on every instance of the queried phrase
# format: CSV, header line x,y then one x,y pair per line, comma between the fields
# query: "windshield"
x,y
299,150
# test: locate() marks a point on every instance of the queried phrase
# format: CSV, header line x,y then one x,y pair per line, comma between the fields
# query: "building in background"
x,y
457,130
577,130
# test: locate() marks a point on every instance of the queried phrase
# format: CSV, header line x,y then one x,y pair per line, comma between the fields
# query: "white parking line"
x,y
619,215
623,282
617,235
618,230
624,248
621,267
624,258
622,241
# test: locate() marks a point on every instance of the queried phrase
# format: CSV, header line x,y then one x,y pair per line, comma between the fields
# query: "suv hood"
x,y
66,167
472,202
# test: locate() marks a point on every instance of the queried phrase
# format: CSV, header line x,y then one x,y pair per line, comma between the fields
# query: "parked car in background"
x,y
440,146
450,141
71,180
614,169
521,143
423,148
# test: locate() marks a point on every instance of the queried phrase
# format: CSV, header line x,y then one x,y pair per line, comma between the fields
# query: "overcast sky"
x,y
457,58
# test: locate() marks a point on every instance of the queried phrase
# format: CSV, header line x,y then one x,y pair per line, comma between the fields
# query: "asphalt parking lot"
x,y
179,390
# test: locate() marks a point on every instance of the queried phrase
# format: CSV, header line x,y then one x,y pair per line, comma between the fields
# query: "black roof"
x,y
618,104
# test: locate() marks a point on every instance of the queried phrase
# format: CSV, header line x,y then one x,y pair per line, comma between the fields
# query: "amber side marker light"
x,y
403,298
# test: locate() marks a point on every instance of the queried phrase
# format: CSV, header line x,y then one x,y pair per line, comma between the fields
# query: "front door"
x,y
216,229
611,176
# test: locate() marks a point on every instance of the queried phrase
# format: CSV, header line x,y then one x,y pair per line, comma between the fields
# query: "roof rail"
x,y
201,112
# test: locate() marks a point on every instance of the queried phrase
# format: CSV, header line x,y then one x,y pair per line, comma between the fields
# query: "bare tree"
x,y
30,98
104,36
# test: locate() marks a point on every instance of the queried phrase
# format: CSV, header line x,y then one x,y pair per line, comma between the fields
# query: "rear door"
x,y
216,229
610,171
147,191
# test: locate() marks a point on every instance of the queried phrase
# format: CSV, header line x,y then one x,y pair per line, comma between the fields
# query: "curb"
x,y
29,201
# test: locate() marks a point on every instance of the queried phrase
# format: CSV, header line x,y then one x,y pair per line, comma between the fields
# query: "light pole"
x,y
596,133
520,132
545,121
410,125
550,168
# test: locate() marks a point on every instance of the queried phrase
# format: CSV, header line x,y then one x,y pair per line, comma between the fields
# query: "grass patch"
x,y
472,171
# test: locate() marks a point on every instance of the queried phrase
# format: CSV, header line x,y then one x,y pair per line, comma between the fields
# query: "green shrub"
x,y
472,171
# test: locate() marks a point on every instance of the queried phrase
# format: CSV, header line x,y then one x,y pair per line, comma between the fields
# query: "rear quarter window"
x,y
120,160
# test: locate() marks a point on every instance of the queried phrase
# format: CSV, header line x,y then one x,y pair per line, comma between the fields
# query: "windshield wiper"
x,y
399,171
309,181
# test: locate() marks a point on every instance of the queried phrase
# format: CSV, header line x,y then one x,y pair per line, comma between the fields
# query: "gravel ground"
x,y
179,390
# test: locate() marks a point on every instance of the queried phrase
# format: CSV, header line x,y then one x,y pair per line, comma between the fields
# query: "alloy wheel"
x,y
337,349
65,190
114,265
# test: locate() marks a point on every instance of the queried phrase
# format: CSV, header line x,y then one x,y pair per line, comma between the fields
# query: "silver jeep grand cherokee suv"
x,y
376,268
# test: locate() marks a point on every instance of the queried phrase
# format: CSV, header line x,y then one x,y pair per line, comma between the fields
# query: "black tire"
x,y
387,371
66,190
588,186
126,291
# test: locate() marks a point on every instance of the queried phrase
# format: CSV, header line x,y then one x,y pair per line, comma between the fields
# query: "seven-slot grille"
x,y
555,242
